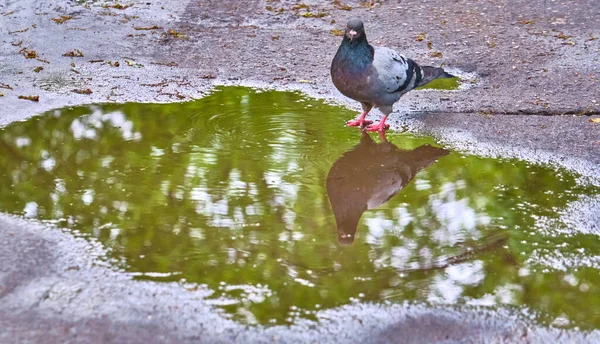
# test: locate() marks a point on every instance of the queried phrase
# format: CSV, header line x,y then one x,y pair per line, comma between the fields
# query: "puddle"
x,y
442,84
231,191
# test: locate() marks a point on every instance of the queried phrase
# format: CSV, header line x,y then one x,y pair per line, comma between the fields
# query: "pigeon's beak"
x,y
351,34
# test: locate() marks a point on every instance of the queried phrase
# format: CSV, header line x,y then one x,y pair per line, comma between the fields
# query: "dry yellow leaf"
x,y
337,32
62,19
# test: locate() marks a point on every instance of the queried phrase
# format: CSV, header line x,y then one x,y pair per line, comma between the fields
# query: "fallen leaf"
x,y
38,69
29,54
62,19
110,63
273,9
73,53
134,64
338,4
595,120
82,91
301,7
168,64
95,61
368,4
314,15
437,54
175,34
32,98
155,27
159,84
526,21
25,29
563,36
6,86
118,6
421,36
337,32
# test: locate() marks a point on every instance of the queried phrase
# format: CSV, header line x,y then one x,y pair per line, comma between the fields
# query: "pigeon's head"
x,y
355,30
347,213
345,239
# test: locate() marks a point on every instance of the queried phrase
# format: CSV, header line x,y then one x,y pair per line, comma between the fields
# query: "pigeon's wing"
x,y
396,72
388,183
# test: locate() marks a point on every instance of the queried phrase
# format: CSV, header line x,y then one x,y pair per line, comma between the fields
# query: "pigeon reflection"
x,y
369,175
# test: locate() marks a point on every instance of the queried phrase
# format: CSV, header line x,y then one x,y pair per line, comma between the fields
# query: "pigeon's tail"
x,y
432,73
424,156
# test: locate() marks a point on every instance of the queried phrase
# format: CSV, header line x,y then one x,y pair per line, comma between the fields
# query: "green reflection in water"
x,y
442,84
230,191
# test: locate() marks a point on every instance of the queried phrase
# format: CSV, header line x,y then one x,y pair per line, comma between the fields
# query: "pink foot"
x,y
380,127
358,123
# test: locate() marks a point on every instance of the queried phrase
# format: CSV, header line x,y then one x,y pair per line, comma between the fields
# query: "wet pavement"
x,y
58,281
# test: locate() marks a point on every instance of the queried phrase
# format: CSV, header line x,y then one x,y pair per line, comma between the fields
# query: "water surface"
x,y
238,191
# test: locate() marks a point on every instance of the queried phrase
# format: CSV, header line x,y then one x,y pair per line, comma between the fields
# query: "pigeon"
x,y
368,176
375,76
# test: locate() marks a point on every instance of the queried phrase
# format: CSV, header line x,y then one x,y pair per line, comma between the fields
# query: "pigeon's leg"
x,y
361,121
380,127
382,136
